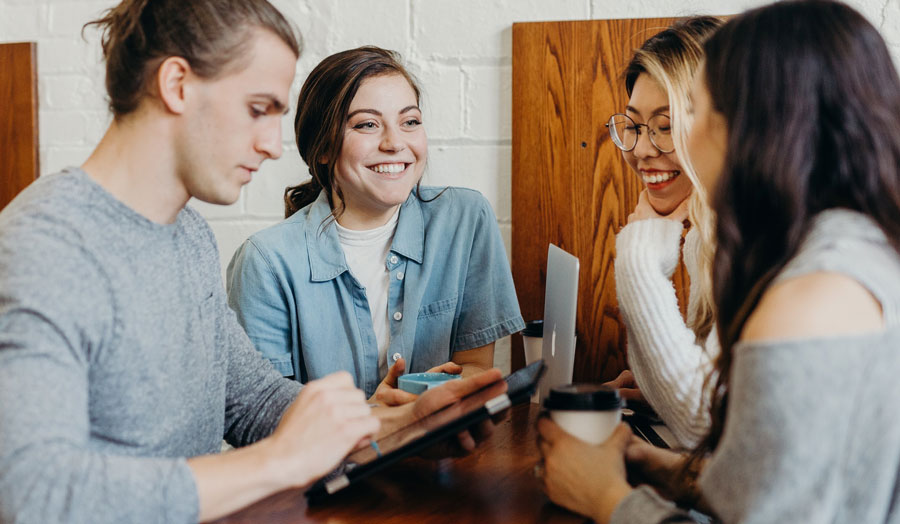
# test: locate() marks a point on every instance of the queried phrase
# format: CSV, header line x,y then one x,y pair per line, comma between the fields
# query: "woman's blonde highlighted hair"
x,y
671,58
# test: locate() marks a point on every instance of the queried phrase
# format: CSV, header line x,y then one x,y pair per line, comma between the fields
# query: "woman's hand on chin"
x,y
643,210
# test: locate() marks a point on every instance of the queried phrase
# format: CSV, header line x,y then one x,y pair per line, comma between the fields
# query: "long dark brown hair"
x,y
138,35
812,104
322,109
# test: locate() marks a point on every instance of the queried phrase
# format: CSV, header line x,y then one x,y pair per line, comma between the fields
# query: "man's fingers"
x,y
363,428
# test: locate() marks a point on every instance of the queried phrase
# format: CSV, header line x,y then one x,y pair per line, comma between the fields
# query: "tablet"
x,y
438,426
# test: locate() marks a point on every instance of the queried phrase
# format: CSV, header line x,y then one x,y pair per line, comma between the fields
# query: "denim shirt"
x,y
450,289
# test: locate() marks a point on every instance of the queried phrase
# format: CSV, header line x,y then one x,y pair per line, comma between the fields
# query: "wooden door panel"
x,y
18,118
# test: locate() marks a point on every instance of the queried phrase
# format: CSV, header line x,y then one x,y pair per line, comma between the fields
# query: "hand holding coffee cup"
x,y
589,412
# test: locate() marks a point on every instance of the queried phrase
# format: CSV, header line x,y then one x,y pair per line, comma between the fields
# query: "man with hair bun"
x,y
121,365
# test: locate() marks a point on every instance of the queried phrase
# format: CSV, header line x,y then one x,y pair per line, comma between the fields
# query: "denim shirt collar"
x,y
326,257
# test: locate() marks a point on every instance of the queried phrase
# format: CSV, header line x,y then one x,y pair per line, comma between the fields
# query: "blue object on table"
x,y
418,383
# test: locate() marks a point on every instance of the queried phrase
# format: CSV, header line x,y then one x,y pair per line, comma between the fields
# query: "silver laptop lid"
x,y
560,307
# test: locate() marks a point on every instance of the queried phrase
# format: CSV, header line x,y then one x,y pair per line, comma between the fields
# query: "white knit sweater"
x,y
668,362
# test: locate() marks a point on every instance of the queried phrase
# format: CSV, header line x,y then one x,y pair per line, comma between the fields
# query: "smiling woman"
x,y
371,272
383,154
669,356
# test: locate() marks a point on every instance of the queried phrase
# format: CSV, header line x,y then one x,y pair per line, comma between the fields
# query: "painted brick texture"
x,y
460,50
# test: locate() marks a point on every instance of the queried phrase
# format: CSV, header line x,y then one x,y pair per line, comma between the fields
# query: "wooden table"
x,y
494,484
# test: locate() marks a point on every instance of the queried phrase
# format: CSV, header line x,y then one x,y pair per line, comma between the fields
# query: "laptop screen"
x,y
560,308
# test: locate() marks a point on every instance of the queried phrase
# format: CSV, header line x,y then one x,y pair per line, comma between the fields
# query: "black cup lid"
x,y
583,397
534,328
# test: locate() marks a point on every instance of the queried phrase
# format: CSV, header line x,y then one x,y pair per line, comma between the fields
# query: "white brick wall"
x,y
460,50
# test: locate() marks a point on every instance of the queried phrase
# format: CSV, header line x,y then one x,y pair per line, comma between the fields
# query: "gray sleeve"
x,y
787,417
55,316
646,506
257,394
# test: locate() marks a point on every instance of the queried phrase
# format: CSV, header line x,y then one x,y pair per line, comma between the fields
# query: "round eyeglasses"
x,y
625,132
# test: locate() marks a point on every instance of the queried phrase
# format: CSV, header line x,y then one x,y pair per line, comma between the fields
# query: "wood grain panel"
x,y
570,185
18,119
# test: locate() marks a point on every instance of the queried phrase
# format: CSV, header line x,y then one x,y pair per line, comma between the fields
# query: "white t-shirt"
x,y
366,253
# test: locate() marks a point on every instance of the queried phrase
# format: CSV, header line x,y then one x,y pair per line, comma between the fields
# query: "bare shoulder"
x,y
814,305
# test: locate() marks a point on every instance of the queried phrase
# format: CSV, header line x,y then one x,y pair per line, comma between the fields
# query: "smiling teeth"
x,y
388,168
659,177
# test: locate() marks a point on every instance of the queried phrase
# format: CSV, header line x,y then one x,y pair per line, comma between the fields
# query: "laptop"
x,y
560,308
558,351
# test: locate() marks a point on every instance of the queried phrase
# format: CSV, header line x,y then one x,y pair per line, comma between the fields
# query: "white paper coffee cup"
x,y
589,412
532,338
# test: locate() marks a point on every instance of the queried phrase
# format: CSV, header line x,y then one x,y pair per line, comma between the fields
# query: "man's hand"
x,y
387,392
328,419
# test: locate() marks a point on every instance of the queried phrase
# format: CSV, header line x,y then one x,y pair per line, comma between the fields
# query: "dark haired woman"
x,y
370,272
797,119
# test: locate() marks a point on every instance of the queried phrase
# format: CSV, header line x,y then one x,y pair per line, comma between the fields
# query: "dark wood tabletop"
x,y
495,484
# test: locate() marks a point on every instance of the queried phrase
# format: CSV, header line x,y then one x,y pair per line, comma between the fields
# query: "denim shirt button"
x,y
399,275
398,315
395,357
394,259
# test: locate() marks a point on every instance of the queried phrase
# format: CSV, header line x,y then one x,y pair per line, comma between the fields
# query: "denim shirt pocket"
x,y
434,329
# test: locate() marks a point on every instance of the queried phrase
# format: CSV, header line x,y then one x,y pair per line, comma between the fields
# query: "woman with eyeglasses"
x,y
807,286
669,358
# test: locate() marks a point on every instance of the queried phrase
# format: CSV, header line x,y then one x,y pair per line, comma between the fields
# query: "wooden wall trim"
x,y
18,118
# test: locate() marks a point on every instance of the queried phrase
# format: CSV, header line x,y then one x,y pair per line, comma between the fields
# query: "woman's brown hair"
x,y
322,109
212,35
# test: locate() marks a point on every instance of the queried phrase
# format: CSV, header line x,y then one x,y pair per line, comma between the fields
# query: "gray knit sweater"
x,y
812,433
118,358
